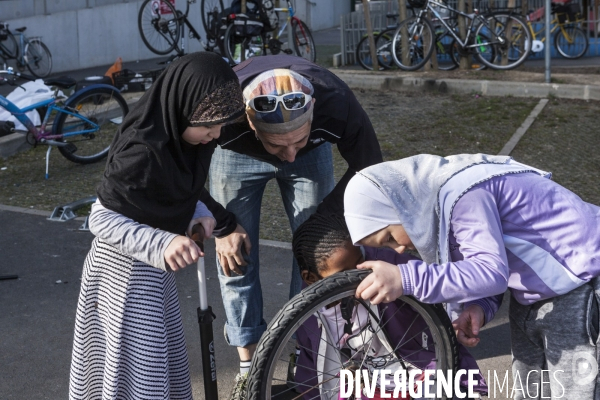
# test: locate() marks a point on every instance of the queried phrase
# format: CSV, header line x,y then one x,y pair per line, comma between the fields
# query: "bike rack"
x,y
65,213
86,225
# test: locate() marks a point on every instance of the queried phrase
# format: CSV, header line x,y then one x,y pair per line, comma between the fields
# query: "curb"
x,y
374,81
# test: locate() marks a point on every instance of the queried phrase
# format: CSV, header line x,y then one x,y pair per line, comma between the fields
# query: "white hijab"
x,y
405,192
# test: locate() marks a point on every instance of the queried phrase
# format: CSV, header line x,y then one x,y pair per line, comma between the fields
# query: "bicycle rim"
x,y
239,48
571,43
158,25
211,14
419,45
508,39
38,58
363,53
98,113
303,41
424,340
444,45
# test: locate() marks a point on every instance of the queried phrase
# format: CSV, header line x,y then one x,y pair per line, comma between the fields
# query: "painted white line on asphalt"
x,y
510,145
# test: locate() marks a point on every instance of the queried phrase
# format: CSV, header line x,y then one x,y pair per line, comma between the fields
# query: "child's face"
x,y
392,236
201,134
342,259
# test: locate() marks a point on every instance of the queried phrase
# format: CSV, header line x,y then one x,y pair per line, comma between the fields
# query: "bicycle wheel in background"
x,y
420,43
456,53
422,336
383,44
9,47
239,48
158,25
303,41
98,111
571,43
211,11
509,37
38,58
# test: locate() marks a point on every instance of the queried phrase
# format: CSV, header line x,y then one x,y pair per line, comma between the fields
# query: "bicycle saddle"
x,y
63,82
21,29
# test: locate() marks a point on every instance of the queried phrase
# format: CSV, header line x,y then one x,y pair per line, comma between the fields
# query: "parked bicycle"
x,y
162,26
570,41
499,40
82,125
246,35
383,45
28,52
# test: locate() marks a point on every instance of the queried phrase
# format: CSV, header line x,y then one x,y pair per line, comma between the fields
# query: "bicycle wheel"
x,y
239,48
420,43
383,44
508,38
159,26
96,113
9,48
571,42
444,45
38,58
422,336
211,11
456,53
303,41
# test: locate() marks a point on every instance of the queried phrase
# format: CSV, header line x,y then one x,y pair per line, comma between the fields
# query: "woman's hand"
x,y
208,223
181,252
229,250
383,285
468,324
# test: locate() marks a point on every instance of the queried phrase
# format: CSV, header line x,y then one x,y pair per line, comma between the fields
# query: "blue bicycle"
x,y
82,125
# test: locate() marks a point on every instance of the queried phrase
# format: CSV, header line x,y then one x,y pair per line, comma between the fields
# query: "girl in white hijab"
x,y
483,224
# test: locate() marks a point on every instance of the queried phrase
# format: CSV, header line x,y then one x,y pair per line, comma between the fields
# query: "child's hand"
x,y
181,252
468,324
383,285
208,223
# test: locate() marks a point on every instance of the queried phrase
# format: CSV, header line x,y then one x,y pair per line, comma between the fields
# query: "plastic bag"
x,y
25,95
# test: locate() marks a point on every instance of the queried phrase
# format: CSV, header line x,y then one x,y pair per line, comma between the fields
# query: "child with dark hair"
x,y
323,247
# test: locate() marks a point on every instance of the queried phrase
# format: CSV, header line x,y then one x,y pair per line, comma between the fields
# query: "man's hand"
x,y
229,250
181,252
383,285
208,223
468,324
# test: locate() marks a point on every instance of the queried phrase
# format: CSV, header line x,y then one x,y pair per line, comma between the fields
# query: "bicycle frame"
x,y
555,26
472,17
289,10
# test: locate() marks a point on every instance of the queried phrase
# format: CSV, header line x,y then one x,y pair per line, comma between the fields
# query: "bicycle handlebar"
x,y
17,74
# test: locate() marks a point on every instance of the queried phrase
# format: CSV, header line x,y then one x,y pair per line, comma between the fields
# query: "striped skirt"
x,y
129,341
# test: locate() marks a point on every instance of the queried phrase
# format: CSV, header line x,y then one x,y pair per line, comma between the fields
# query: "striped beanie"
x,y
278,82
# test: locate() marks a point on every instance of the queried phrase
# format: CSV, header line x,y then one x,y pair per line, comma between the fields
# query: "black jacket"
x,y
337,118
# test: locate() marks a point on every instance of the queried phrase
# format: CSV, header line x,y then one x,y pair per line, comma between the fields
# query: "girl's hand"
x,y
468,324
181,252
208,223
383,285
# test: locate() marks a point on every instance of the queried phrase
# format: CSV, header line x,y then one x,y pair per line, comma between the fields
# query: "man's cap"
x,y
278,82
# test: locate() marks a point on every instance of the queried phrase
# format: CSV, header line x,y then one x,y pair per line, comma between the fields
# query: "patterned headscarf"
x,y
278,82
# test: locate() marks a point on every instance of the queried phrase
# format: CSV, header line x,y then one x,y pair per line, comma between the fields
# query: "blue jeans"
x,y
238,183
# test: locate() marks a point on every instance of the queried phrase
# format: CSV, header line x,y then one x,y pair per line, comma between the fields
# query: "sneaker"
x,y
291,374
241,386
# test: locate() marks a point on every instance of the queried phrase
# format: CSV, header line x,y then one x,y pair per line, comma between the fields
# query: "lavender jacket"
x,y
397,321
517,231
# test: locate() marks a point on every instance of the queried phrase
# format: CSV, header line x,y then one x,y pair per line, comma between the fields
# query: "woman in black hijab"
x,y
129,340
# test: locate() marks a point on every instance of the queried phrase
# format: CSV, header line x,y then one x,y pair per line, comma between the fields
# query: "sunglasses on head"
x,y
268,103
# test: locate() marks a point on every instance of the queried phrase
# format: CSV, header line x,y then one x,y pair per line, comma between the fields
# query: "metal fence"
x,y
352,25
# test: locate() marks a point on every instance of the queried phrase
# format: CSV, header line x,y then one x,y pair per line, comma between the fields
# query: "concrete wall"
x,y
88,33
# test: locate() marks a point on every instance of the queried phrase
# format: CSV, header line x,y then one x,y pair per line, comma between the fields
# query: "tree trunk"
x,y
404,34
462,32
367,12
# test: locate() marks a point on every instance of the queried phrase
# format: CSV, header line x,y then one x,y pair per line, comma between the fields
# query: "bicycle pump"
x,y
205,320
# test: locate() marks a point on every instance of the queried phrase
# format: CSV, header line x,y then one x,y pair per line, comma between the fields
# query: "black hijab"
x,y
152,175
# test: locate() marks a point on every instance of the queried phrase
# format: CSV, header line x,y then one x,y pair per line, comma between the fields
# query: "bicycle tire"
x,y
455,54
510,54
323,293
304,43
9,48
445,59
571,49
38,58
102,105
211,11
420,43
160,30
363,53
239,48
